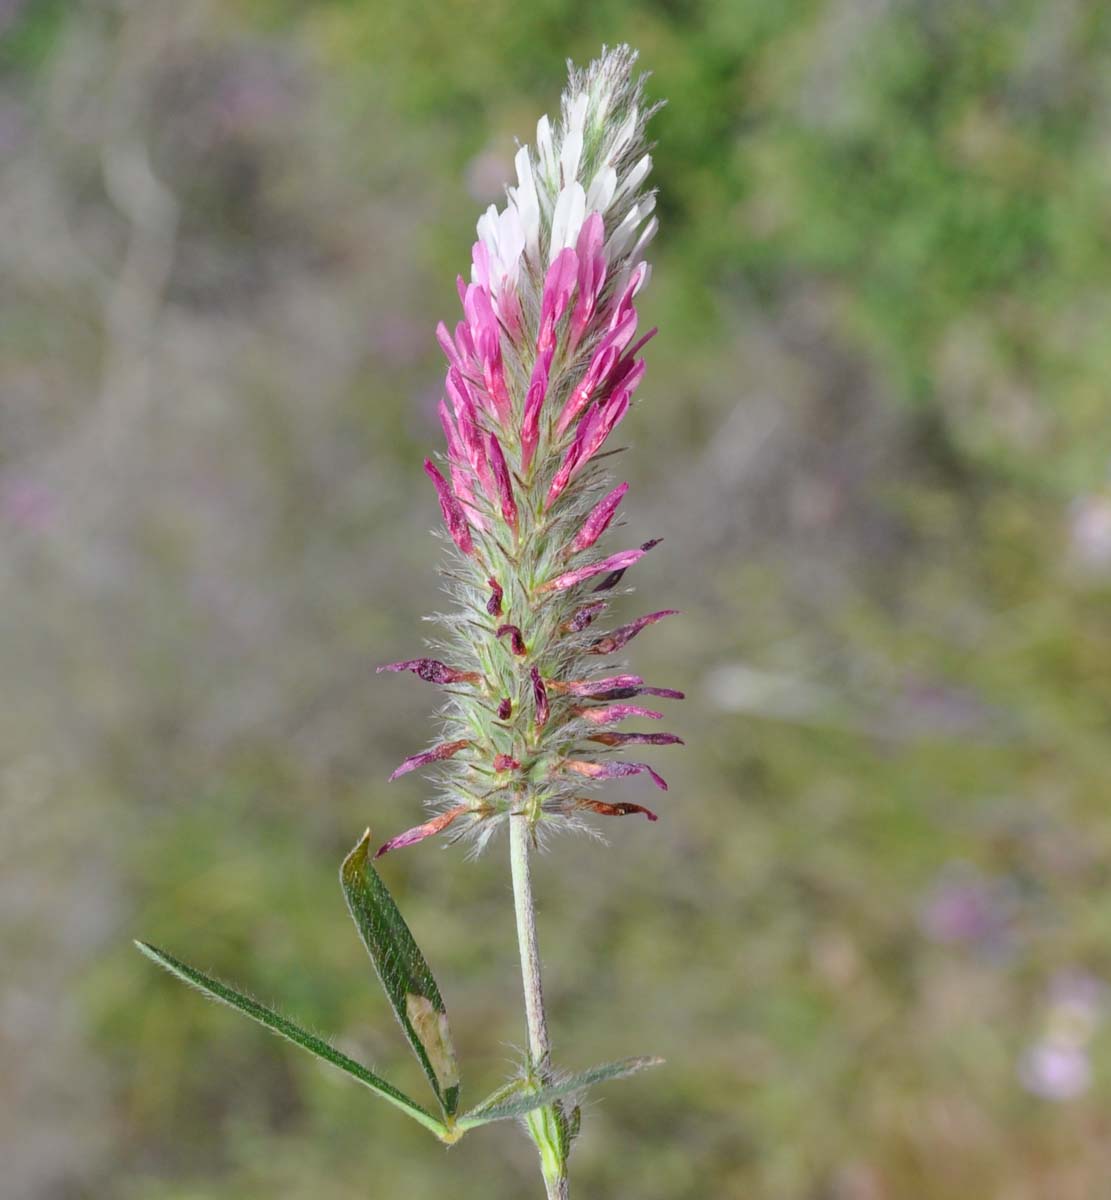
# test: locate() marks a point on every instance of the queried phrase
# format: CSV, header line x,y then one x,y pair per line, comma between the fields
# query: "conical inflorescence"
x,y
541,370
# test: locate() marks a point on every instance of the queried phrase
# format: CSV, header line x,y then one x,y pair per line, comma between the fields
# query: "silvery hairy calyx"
x,y
541,370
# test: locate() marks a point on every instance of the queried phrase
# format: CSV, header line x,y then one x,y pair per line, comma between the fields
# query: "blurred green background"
x,y
870,932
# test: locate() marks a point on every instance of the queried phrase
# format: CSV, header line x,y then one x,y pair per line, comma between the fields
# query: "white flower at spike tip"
x,y
593,161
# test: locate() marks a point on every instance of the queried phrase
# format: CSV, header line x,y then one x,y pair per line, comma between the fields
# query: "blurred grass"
x,y
873,437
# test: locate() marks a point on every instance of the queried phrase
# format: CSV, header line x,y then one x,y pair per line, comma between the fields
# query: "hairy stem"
x,y
540,1050
546,1125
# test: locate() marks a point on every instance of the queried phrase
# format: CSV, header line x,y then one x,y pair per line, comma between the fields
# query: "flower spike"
x,y
542,368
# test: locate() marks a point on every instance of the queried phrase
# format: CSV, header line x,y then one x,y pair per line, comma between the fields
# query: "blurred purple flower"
x,y
964,906
1055,1070
1058,1066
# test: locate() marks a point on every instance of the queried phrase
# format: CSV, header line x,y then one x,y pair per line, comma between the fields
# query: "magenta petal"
x,y
633,739
562,477
631,373
585,616
420,832
624,303
462,398
559,283
501,480
451,435
588,437
493,605
530,422
534,403
459,455
540,696
614,770
509,310
619,561
486,335
431,670
592,274
467,448
464,344
612,713
516,640
448,346
657,779
436,754
461,475
623,634
600,366
629,369
599,518
592,687
599,422
626,692
605,357
451,509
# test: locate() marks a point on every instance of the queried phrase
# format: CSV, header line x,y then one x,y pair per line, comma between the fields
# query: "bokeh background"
x,y
872,931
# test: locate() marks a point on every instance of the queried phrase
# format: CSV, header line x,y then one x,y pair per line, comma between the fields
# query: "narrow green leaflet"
x,y
512,1102
300,1037
403,972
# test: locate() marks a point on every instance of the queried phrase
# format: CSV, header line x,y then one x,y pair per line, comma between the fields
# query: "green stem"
x,y
540,1050
547,1125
